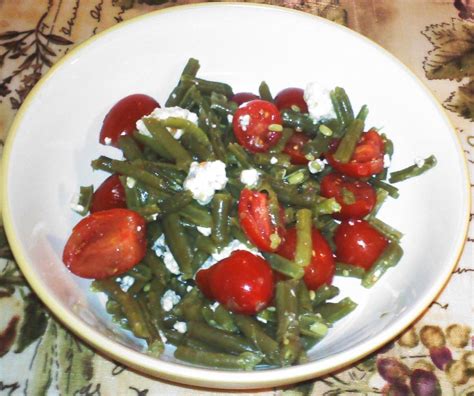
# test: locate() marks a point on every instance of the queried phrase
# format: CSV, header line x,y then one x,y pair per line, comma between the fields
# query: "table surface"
x,y
432,37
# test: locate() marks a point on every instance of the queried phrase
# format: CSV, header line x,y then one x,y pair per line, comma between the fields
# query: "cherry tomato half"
x,y
290,97
123,116
321,269
357,198
367,159
252,124
109,195
106,243
242,282
358,243
294,148
243,97
255,220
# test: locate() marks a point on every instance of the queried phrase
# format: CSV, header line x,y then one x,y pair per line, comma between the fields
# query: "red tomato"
x,y
367,159
255,220
122,117
110,194
243,97
358,243
291,97
251,124
363,194
105,244
321,269
294,148
242,282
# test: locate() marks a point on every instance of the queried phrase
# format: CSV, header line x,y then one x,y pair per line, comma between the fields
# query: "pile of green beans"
x,y
152,172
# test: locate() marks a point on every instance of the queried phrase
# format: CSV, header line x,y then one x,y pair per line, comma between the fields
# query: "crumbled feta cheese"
x,y
131,182
162,250
419,162
169,300
319,102
126,282
206,231
75,205
244,121
163,114
180,327
107,141
273,160
316,165
189,288
386,161
230,118
261,319
204,179
250,177
226,251
214,306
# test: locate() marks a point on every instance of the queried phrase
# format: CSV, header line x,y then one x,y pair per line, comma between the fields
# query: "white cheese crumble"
x,y
226,251
206,231
230,118
126,282
204,179
107,141
319,102
162,250
250,177
214,306
386,161
165,113
75,205
419,162
131,182
180,327
273,160
244,121
316,165
169,300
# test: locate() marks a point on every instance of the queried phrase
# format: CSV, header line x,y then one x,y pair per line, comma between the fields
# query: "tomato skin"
x,y
289,97
332,186
251,122
243,97
105,244
242,282
367,159
254,217
294,148
109,195
358,243
122,117
322,267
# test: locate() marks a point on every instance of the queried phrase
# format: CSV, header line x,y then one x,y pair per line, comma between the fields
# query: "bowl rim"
x,y
200,376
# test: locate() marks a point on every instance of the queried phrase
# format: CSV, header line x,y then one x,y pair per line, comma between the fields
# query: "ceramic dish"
x,y
55,136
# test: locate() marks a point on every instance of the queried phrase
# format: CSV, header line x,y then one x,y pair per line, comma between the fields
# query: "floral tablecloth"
x,y
435,38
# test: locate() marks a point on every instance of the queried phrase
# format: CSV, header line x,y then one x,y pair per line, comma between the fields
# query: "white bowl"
x,y
55,136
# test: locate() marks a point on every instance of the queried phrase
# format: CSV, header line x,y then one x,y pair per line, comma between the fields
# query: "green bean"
x,y
150,212
326,206
176,202
386,230
245,361
240,155
199,258
363,113
154,145
219,318
299,121
253,331
191,69
389,258
267,315
220,208
189,128
264,92
131,150
178,286
207,87
312,325
284,266
223,340
413,170
179,246
304,244
381,196
349,270
84,200
288,329
174,148
279,147
317,146
347,145
190,306
157,267
332,312
197,215
342,106
304,299
153,232
323,293
391,190
290,195
205,244
275,159
199,345
173,337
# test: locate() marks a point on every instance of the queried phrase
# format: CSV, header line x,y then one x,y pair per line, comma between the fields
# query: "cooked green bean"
x,y
391,190
284,266
176,202
304,299
153,144
300,121
220,318
275,159
131,150
221,204
84,200
386,230
326,206
279,147
414,170
197,215
190,306
191,69
363,113
342,106
312,325
189,128
332,312
240,155
245,361
349,270
264,92
347,145
381,196
176,239
304,244
207,87
323,293
389,258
